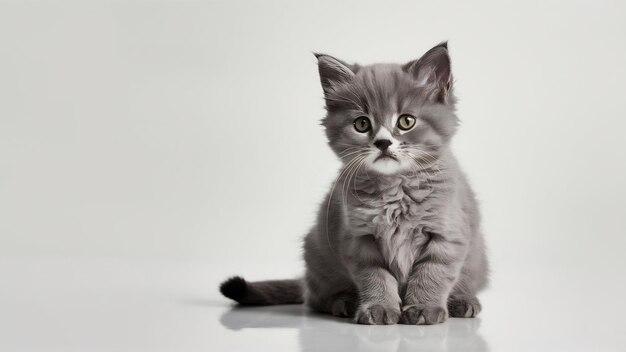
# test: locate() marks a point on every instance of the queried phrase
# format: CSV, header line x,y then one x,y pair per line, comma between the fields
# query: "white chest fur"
x,y
394,212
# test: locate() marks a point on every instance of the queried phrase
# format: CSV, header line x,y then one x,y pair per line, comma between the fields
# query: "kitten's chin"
x,y
386,166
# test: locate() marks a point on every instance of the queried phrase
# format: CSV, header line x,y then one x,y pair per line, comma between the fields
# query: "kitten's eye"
x,y
362,124
406,122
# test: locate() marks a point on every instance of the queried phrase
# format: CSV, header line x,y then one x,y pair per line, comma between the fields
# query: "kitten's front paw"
x,y
378,314
421,315
467,307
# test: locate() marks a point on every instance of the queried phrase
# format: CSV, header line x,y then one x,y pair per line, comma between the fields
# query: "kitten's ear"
x,y
433,71
333,70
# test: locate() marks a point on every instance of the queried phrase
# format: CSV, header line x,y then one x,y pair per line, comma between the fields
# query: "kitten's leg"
x,y
379,301
462,302
431,280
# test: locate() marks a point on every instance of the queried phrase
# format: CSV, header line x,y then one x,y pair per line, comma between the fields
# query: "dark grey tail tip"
x,y
234,288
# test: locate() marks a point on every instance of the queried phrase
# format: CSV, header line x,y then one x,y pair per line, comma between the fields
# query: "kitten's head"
x,y
389,118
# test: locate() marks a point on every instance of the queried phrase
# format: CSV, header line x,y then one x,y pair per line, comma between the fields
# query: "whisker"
x,y
352,153
346,176
330,197
354,180
349,149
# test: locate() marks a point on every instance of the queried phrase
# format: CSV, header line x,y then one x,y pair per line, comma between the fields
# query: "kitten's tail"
x,y
262,292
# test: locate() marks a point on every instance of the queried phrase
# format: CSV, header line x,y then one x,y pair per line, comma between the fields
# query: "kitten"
x,y
397,238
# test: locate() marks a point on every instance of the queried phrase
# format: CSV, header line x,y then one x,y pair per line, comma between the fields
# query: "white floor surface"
x,y
87,305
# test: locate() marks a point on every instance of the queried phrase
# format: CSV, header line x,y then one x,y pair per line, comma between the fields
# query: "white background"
x,y
150,149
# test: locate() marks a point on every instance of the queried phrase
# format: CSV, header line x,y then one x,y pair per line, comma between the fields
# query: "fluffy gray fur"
x,y
397,238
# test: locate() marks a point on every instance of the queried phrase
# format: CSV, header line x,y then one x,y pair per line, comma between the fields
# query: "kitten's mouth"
x,y
385,156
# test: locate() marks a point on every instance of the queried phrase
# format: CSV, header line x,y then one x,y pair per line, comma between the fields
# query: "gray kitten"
x,y
397,238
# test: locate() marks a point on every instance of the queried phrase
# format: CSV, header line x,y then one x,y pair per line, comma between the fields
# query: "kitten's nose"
x,y
382,144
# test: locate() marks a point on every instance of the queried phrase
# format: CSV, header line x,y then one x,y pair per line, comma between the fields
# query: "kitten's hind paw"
x,y
343,308
466,307
378,314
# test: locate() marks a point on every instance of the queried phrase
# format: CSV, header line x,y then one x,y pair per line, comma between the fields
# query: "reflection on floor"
x,y
330,333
